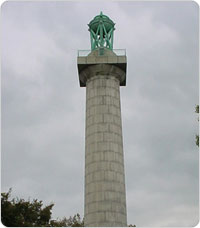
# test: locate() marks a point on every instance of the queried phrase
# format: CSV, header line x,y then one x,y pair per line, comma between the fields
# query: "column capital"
x,y
102,69
107,64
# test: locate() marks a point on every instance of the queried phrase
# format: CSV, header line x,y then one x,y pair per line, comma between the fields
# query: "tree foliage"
x,y
20,213
197,136
197,109
74,221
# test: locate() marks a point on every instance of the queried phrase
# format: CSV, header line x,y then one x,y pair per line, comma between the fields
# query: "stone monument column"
x,y
102,72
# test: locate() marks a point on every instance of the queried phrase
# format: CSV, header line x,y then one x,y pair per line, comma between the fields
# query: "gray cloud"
x,y
43,107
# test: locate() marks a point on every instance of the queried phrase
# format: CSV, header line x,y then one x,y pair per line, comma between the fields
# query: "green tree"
x,y
20,213
197,136
74,221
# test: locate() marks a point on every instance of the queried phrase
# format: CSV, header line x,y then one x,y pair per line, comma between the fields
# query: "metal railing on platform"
x,y
83,53
118,52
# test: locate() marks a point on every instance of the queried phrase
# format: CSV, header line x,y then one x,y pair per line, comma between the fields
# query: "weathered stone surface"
x,y
105,198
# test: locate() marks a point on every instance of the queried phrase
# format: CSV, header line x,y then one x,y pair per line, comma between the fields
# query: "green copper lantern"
x,y
101,32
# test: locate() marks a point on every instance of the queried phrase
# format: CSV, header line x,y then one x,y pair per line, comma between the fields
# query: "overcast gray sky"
x,y
43,107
